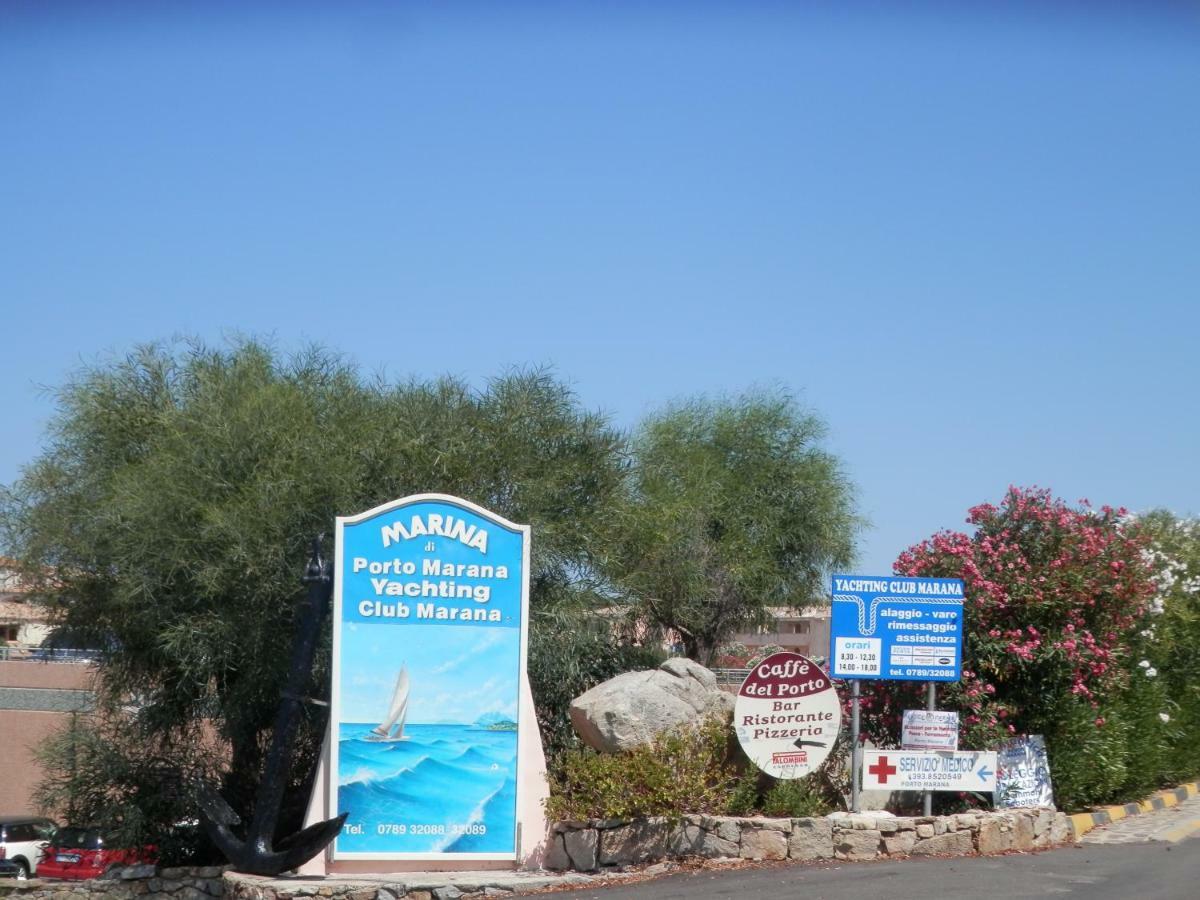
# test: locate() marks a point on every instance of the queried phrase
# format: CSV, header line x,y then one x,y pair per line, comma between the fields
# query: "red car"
x,y
79,853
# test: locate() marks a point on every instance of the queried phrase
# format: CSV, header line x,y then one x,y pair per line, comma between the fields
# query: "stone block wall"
x,y
607,843
141,882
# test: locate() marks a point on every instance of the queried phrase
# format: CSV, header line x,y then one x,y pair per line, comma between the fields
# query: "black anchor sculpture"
x,y
258,854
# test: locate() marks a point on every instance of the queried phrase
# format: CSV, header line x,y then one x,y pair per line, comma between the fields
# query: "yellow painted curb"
x,y
1179,832
1082,823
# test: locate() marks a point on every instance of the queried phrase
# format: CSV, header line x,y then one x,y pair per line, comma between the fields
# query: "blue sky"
x,y
965,234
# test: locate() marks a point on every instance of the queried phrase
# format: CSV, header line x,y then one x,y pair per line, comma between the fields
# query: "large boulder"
x,y
632,709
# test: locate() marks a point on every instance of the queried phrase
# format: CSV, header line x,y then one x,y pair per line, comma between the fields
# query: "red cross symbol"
x,y
882,769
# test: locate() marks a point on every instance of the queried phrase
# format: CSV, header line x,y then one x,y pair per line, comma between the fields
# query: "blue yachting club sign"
x,y
893,627
430,605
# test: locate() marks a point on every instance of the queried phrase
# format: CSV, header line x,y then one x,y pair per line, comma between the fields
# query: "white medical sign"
x,y
929,770
929,729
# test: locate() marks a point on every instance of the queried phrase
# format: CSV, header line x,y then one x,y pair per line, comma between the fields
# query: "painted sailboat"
x,y
392,726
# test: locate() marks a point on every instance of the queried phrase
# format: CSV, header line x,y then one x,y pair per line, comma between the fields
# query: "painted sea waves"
x,y
443,789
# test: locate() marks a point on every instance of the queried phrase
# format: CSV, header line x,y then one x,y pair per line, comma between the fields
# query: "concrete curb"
x,y
1082,823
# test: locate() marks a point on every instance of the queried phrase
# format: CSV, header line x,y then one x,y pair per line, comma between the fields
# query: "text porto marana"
x,y
430,580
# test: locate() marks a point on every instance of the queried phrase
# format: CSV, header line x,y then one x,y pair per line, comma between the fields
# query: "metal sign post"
x,y
931,705
855,750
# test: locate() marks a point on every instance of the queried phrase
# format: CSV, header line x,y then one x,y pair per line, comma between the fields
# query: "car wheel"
x,y
22,870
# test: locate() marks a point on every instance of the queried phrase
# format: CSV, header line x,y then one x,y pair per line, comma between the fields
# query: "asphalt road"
x,y
1147,871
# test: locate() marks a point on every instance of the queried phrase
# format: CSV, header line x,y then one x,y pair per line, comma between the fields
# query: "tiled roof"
x,y
10,581
20,611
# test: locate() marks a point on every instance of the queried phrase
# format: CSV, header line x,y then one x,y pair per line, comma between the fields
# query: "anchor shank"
x,y
270,795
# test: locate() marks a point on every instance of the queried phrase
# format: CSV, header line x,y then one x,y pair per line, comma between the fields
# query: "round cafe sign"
x,y
787,715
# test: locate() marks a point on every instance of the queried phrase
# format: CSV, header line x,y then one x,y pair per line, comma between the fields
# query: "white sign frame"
x,y
787,715
972,771
523,733
929,729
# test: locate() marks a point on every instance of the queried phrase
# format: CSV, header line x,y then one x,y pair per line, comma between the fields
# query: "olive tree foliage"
x,y
732,507
168,519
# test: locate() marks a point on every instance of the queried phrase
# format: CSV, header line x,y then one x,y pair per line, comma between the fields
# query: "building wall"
x,y
20,732
36,699
806,634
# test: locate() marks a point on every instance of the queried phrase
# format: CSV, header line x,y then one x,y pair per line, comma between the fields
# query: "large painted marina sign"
x,y
430,608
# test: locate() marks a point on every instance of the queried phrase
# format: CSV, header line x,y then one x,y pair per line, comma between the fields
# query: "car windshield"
x,y
78,838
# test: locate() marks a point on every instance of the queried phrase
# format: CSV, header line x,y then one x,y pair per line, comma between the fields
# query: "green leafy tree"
x,y
168,519
732,508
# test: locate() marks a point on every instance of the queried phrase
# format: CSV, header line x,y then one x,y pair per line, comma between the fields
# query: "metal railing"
x,y
730,676
726,677
28,653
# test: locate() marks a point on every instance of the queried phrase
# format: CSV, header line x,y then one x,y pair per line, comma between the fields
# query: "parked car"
x,y
77,853
22,839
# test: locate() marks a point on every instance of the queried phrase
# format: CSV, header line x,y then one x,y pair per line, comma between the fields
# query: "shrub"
x,y
683,771
691,770
100,770
794,799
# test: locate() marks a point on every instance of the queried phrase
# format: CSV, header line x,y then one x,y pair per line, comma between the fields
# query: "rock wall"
x,y
149,883
142,882
599,844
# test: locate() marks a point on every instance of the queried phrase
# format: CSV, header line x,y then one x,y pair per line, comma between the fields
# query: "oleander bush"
x,y
1173,636
1069,634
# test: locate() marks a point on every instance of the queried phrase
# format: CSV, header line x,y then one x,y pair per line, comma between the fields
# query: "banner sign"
x,y
1023,773
787,715
896,628
926,770
430,605
926,729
